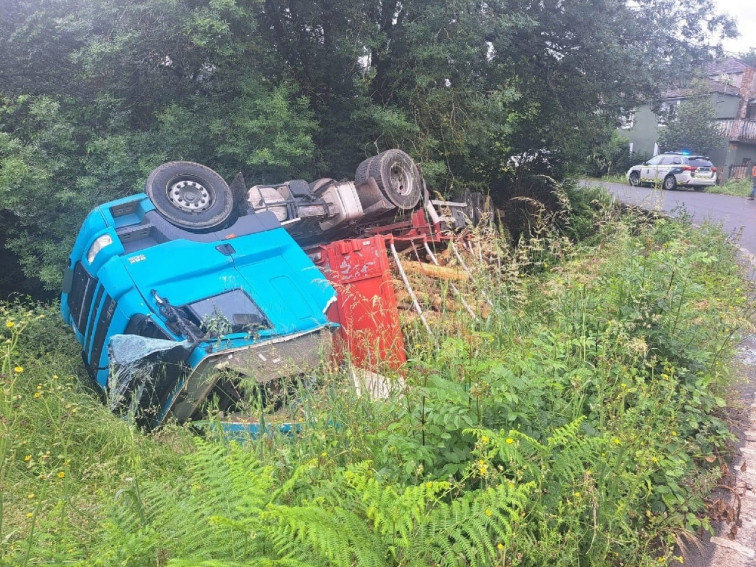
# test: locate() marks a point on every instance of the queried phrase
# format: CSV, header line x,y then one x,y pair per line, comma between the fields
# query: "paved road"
x,y
735,213
734,544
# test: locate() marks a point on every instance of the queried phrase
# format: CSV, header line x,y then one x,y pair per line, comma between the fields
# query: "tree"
x,y
748,57
96,93
693,127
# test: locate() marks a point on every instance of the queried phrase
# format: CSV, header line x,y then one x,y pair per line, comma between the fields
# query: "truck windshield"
x,y
233,311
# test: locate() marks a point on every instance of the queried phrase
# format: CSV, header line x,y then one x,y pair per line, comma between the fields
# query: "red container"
x,y
370,333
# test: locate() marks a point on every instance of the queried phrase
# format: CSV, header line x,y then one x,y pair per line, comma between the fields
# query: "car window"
x,y
698,162
669,160
656,160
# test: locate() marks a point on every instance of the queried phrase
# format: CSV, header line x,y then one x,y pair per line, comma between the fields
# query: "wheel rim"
x,y
669,183
401,182
189,195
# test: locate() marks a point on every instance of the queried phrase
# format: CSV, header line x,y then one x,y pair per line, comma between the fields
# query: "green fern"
x,y
211,512
377,524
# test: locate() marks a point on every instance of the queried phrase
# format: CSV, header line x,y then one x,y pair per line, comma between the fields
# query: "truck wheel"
x,y
396,175
190,195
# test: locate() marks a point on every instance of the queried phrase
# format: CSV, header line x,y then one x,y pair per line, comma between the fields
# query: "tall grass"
x,y
578,419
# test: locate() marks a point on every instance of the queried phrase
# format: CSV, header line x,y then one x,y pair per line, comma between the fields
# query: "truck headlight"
x,y
98,245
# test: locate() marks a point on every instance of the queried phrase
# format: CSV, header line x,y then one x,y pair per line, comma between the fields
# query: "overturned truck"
x,y
196,290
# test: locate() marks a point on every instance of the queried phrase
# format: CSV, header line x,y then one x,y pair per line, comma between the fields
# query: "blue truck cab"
x,y
170,317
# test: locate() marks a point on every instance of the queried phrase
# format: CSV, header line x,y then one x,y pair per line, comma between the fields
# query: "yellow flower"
x,y
37,394
488,512
61,474
616,441
576,495
500,546
484,439
30,495
510,440
18,369
9,324
29,514
27,458
324,454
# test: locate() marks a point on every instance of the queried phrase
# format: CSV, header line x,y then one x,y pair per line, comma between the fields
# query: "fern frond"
x,y
469,528
337,535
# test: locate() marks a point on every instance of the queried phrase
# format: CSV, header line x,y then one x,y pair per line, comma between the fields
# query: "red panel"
x,y
366,305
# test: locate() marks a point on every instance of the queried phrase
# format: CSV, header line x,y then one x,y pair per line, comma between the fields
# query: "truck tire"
x,y
190,195
396,175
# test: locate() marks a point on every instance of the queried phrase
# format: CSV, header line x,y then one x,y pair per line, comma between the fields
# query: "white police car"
x,y
672,170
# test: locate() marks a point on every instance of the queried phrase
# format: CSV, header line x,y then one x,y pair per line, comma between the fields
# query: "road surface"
x,y
735,213
731,546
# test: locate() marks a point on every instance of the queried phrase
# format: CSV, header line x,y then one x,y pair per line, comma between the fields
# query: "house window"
x,y
751,110
627,121
668,111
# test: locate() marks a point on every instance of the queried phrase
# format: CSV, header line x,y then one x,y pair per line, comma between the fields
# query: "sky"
x,y
744,12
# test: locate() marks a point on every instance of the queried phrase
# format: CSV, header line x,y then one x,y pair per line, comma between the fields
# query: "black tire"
x,y
670,183
190,195
635,179
396,175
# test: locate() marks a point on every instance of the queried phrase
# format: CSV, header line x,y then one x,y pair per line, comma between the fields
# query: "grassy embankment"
x,y
737,188
579,419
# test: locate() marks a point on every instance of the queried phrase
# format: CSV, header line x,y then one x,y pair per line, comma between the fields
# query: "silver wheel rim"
x,y
401,181
189,195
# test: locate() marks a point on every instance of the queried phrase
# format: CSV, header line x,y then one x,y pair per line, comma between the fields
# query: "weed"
x,y
568,408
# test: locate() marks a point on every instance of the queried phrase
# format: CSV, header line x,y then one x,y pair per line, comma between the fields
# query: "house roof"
x,y
727,66
714,86
715,72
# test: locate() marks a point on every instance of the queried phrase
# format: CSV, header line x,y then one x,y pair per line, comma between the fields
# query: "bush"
x,y
579,414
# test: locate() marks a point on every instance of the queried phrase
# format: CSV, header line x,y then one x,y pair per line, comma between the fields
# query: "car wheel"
x,y
670,183
635,179
190,195
395,174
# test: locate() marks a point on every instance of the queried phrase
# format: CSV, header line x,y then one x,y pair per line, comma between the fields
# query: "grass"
x,y
579,419
737,188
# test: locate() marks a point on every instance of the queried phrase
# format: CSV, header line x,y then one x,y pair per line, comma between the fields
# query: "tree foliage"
x,y
97,93
692,127
749,57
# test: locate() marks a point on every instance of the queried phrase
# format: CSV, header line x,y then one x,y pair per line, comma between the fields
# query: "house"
x,y
732,86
